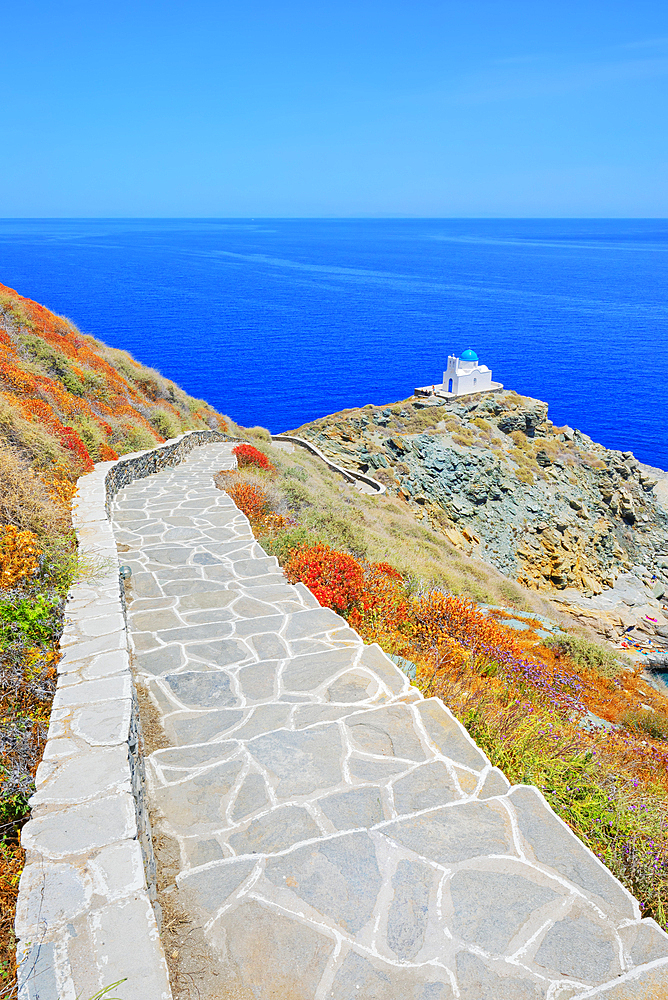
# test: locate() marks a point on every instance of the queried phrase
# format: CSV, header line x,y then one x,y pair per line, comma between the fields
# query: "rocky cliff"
x,y
546,505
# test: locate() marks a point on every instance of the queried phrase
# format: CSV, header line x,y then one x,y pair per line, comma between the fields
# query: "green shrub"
x,y
587,655
136,439
295,472
651,723
165,424
284,543
297,496
34,620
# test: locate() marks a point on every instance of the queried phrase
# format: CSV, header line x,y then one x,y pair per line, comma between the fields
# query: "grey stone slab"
x,y
580,948
196,633
490,908
301,762
211,888
551,843
264,580
482,979
84,776
104,724
300,647
88,692
495,783
270,956
258,680
218,572
188,757
269,647
154,620
83,827
251,798
308,715
306,624
198,803
201,728
449,736
363,977
309,599
374,770
263,719
220,652
375,659
164,574
359,807
254,626
50,895
254,567
37,972
428,785
125,944
248,607
200,851
351,687
339,878
644,941
168,555
274,592
160,660
409,911
387,732
455,833
305,673
182,534
207,616
208,599
275,831
203,689
640,984
184,588
145,585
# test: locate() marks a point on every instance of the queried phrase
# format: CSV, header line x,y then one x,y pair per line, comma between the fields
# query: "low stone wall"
x,y
86,914
350,474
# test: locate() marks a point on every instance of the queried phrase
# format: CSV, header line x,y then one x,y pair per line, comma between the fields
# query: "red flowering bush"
x,y
247,455
334,578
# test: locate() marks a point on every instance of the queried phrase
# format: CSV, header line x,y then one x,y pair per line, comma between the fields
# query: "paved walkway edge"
x,y
86,913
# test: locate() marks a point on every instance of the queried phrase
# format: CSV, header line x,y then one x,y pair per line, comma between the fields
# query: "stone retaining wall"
x,y
86,914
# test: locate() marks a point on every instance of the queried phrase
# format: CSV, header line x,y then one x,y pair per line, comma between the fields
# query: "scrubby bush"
x,y
248,455
334,578
18,555
587,655
647,723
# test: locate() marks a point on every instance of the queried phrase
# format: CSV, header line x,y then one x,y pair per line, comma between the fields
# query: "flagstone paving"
x,y
340,835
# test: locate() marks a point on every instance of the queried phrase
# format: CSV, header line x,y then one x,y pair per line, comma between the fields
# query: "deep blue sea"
x,y
276,322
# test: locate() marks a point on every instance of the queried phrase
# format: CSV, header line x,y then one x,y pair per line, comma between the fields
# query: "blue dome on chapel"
x,y
469,356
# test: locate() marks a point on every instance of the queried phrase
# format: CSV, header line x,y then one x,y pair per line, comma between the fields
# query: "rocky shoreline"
x,y
547,506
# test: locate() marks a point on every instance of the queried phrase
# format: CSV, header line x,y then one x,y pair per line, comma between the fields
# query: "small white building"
x,y
463,376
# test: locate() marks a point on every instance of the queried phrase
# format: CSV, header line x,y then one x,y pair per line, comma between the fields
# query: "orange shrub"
x,y
247,455
334,578
18,555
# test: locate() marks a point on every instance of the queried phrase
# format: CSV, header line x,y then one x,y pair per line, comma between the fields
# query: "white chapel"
x,y
463,376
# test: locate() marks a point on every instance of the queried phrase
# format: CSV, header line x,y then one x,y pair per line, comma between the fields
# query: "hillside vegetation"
x,y
556,710
66,402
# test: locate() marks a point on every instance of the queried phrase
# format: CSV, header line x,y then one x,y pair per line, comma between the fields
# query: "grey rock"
x,y
455,833
388,732
489,908
339,878
202,727
301,762
203,688
361,977
409,911
198,803
427,786
269,955
449,736
553,844
220,652
213,886
276,831
480,979
375,659
374,770
495,783
577,947
255,626
644,941
305,624
251,798
269,647
304,673
351,687
263,719
361,807
83,827
201,852
257,680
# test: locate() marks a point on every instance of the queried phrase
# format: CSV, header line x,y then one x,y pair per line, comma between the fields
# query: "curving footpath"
x,y
340,837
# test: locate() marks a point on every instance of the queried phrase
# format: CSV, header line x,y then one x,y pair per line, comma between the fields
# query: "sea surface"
x,y
276,322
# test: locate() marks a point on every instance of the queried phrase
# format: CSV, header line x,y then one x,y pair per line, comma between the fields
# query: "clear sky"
x,y
347,108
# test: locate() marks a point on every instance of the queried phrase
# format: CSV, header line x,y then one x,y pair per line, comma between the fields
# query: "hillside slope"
x,y
66,402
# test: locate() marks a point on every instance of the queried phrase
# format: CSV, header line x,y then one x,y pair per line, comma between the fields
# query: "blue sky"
x,y
364,108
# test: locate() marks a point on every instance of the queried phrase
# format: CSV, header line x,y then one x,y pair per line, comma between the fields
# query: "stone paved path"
x,y
340,836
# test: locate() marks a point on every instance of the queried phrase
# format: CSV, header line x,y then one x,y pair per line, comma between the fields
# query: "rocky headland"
x,y
547,506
